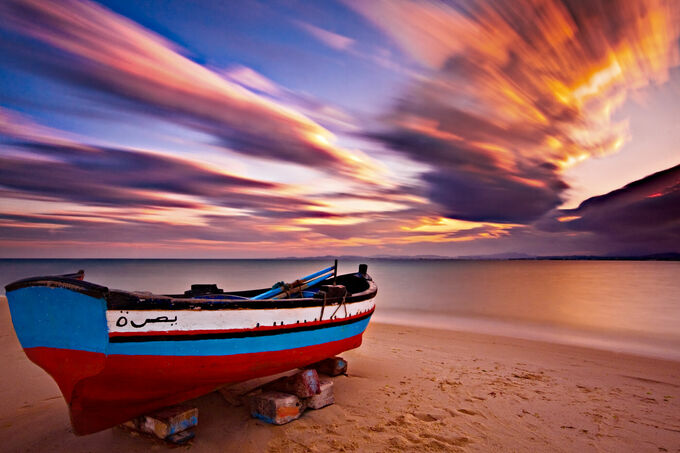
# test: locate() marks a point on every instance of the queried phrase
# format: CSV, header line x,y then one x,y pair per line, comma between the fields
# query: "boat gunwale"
x,y
58,281
127,300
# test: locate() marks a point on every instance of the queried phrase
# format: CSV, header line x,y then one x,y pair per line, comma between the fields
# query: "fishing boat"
x,y
119,354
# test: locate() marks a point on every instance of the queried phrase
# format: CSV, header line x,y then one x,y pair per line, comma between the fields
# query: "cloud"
x,y
478,184
333,40
252,80
40,164
328,115
641,217
117,197
517,92
508,95
90,46
58,191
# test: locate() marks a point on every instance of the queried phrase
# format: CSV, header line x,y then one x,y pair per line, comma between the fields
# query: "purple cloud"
x,y
641,217
90,46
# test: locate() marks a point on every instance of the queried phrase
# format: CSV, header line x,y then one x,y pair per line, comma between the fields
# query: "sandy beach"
x,y
408,389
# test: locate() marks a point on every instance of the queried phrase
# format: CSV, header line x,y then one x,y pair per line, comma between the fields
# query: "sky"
x,y
251,129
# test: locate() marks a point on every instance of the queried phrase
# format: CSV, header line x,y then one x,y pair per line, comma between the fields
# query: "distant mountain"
x,y
668,256
498,256
372,257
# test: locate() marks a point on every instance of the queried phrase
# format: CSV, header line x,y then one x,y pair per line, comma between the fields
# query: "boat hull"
x,y
130,385
115,359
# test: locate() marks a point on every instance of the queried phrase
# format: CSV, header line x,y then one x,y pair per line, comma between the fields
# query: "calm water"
x,y
618,305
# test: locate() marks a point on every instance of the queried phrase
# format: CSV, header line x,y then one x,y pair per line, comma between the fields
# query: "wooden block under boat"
x,y
302,384
276,407
166,422
324,398
332,366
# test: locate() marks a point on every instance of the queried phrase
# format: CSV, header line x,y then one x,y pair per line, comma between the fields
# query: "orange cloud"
x,y
516,92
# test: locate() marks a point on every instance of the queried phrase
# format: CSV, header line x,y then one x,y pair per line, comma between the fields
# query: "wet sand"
x,y
408,389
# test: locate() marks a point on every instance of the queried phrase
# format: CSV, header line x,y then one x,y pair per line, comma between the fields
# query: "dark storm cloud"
x,y
642,217
474,184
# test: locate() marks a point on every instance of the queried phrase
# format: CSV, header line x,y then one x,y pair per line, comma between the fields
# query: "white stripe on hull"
x,y
121,321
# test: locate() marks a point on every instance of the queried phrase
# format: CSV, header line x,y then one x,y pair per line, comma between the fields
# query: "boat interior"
x,y
354,283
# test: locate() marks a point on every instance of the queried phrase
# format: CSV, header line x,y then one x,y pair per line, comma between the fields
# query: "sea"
x,y
623,306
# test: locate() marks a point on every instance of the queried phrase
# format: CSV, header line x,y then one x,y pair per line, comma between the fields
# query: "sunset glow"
x,y
385,127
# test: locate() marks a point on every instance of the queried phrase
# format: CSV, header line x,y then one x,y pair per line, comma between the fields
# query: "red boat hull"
x,y
110,389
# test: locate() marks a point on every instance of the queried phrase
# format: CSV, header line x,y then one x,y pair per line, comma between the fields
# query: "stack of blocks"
x,y
278,402
285,399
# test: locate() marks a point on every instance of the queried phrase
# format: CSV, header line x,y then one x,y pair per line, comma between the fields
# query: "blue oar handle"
x,y
279,289
316,274
314,282
306,285
268,294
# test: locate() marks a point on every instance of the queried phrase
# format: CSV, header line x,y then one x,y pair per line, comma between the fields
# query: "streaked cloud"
x,y
517,92
89,45
252,80
333,40
40,164
447,128
330,116
59,186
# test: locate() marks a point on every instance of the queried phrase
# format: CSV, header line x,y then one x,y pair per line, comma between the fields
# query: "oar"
x,y
274,291
303,286
286,288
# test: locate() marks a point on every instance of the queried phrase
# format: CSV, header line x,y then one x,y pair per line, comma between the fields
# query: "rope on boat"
x,y
323,307
308,281
290,288
342,304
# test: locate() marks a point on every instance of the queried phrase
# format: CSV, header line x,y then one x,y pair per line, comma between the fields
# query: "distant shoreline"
x,y
655,257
